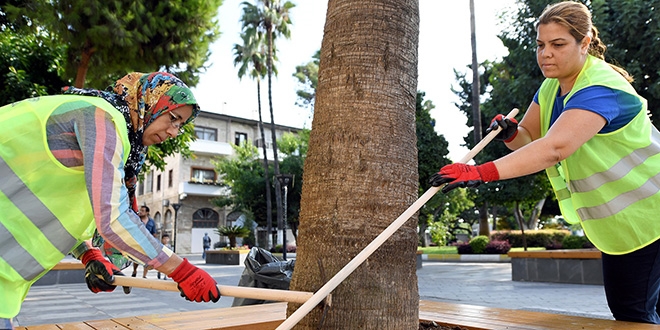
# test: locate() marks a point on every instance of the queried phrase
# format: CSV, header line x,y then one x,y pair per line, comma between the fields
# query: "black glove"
x,y
509,128
96,264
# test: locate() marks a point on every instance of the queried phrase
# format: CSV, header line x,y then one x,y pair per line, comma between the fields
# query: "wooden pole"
x,y
325,290
299,297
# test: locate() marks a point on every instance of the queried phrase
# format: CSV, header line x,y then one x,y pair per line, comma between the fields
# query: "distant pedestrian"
x,y
166,242
151,228
206,244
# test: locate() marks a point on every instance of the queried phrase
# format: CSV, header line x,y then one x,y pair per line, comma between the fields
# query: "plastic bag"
x,y
263,270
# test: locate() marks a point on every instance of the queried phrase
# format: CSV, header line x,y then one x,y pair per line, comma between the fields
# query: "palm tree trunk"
x,y
269,206
276,160
361,167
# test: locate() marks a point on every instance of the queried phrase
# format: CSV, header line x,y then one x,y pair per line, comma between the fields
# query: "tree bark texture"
x,y
360,173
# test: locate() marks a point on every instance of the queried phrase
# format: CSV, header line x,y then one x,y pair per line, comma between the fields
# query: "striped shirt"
x,y
86,138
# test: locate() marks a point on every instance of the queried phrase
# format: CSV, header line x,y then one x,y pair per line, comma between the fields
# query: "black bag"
x,y
264,270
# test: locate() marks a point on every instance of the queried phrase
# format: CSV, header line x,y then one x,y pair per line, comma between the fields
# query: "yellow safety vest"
x,y
45,206
611,184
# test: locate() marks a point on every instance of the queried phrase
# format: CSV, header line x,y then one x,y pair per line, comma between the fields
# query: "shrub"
x,y
463,248
554,246
498,247
534,238
479,243
577,242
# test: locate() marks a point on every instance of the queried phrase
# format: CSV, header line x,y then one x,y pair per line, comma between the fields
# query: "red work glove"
x,y
195,284
509,128
96,264
462,175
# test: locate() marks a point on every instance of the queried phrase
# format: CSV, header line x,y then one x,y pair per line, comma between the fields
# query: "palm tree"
x,y
232,232
270,17
361,168
250,56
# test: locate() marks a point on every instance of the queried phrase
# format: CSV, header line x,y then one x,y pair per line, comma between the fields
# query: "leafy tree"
x,y
308,78
270,17
630,31
431,156
106,39
294,147
243,175
30,66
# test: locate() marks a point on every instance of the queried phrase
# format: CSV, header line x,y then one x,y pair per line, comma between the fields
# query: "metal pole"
x,y
286,189
176,207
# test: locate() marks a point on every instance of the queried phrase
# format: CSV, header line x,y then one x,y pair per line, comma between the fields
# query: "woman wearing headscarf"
x,y
69,165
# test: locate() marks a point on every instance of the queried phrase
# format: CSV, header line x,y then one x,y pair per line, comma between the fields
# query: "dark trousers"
x,y
632,284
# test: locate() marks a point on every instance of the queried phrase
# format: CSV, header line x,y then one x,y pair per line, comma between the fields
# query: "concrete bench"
x,y
269,316
580,266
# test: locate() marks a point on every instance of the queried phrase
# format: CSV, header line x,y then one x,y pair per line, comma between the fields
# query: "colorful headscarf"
x,y
142,98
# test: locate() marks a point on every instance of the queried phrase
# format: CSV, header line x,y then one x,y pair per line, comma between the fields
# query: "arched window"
x,y
167,223
205,218
159,222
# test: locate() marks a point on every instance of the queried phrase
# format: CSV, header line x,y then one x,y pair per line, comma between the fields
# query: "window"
x,y
140,188
205,218
201,175
158,182
206,133
170,178
240,138
149,183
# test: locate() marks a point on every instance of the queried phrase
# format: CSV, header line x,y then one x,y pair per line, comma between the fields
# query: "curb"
x,y
466,257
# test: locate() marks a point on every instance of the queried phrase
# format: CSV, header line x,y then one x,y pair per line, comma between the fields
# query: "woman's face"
x,y
167,125
557,53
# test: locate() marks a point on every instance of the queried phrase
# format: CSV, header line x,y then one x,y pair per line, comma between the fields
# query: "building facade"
x,y
179,197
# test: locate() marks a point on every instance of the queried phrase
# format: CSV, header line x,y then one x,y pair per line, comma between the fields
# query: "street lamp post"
x,y
176,207
285,180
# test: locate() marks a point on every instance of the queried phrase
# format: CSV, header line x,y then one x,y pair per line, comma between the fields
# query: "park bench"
x,y
580,266
269,316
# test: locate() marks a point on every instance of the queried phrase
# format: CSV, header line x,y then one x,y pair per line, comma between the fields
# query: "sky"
x,y
444,45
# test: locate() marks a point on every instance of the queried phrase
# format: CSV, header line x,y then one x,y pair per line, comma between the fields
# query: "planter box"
x,y
582,266
226,257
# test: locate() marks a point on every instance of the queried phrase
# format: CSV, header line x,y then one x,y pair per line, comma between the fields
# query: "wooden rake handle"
x,y
332,284
299,297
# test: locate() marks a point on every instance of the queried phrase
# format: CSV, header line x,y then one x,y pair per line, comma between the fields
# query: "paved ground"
x,y
484,284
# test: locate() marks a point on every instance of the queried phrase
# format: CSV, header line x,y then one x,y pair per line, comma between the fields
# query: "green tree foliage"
x,y
308,78
432,151
243,175
30,66
106,39
630,30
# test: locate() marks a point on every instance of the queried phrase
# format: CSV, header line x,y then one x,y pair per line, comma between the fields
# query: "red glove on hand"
x,y
462,175
195,284
509,128
96,264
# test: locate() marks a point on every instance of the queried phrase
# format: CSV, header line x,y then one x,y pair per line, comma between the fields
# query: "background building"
x,y
188,185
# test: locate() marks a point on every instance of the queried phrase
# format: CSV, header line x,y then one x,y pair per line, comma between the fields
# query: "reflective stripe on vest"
x,y
40,216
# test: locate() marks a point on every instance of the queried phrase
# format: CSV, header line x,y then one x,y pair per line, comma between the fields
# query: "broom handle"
x,y
299,297
325,290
